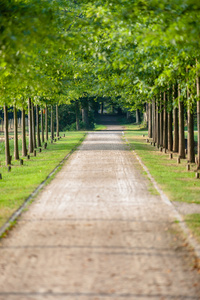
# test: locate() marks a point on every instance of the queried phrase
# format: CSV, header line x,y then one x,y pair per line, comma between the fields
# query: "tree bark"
x,y
145,118
77,115
46,123
52,123
57,122
176,135
157,124
30,146
190,140
33,126
175,121
150,121
102,107
198,125
6,134
181,147
38,126
154,121
170,136
24,149
138,120
85,117
165,123
161,123
16,146
170,120
42,124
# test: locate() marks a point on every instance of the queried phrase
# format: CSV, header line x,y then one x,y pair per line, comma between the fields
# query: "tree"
x,y
16,148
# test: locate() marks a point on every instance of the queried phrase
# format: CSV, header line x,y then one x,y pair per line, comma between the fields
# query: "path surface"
x,y
96,232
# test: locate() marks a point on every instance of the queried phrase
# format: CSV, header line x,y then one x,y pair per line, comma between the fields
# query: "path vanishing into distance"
x,y
97,232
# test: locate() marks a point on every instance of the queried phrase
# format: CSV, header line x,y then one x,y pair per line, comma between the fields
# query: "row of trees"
x,y
148,53
134,52
38,130
166,125
45,119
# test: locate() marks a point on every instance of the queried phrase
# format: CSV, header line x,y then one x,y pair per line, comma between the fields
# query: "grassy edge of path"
x,y
177,183
16,186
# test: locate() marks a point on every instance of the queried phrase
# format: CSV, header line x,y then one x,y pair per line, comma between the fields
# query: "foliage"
x,y
58,51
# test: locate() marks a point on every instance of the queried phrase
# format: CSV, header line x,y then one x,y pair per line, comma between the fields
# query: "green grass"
x,y
18,184
99,127
177,183
193,222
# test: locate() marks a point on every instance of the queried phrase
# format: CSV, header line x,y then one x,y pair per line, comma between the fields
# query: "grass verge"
x,y
193,222
177,183
99,127
18,184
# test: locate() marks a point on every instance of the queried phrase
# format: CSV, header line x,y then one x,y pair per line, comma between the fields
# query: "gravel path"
x,y
96,232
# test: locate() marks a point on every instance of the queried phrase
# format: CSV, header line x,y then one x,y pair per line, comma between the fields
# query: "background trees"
x,y
142,55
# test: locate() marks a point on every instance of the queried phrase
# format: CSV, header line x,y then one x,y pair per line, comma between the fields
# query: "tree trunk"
x,y
198,125
77,116
30,146
181,147
57,122
150,121
16,146
102,106
170,136
157,124
6,134
176,135
175,121
33,126
42,124
24,149
190,139
85,117
38,126
165,122
145,118
154,120
46,123
52,123
161,123
138,120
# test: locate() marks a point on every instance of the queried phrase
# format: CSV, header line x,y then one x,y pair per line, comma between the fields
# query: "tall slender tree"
x,y
52,123
24,147
150,120
57,121
181,146
30,146
46,123
198,124
38,126
33,126
165,123
42,124
6,134
16,146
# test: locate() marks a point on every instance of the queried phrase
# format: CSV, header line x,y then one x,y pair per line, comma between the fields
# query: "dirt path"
x,y
96,232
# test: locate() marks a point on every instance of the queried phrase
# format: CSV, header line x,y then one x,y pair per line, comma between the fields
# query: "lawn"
x,y
173,178
18,184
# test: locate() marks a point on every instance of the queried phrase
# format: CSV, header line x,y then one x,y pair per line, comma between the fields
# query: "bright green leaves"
x,y
130,49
